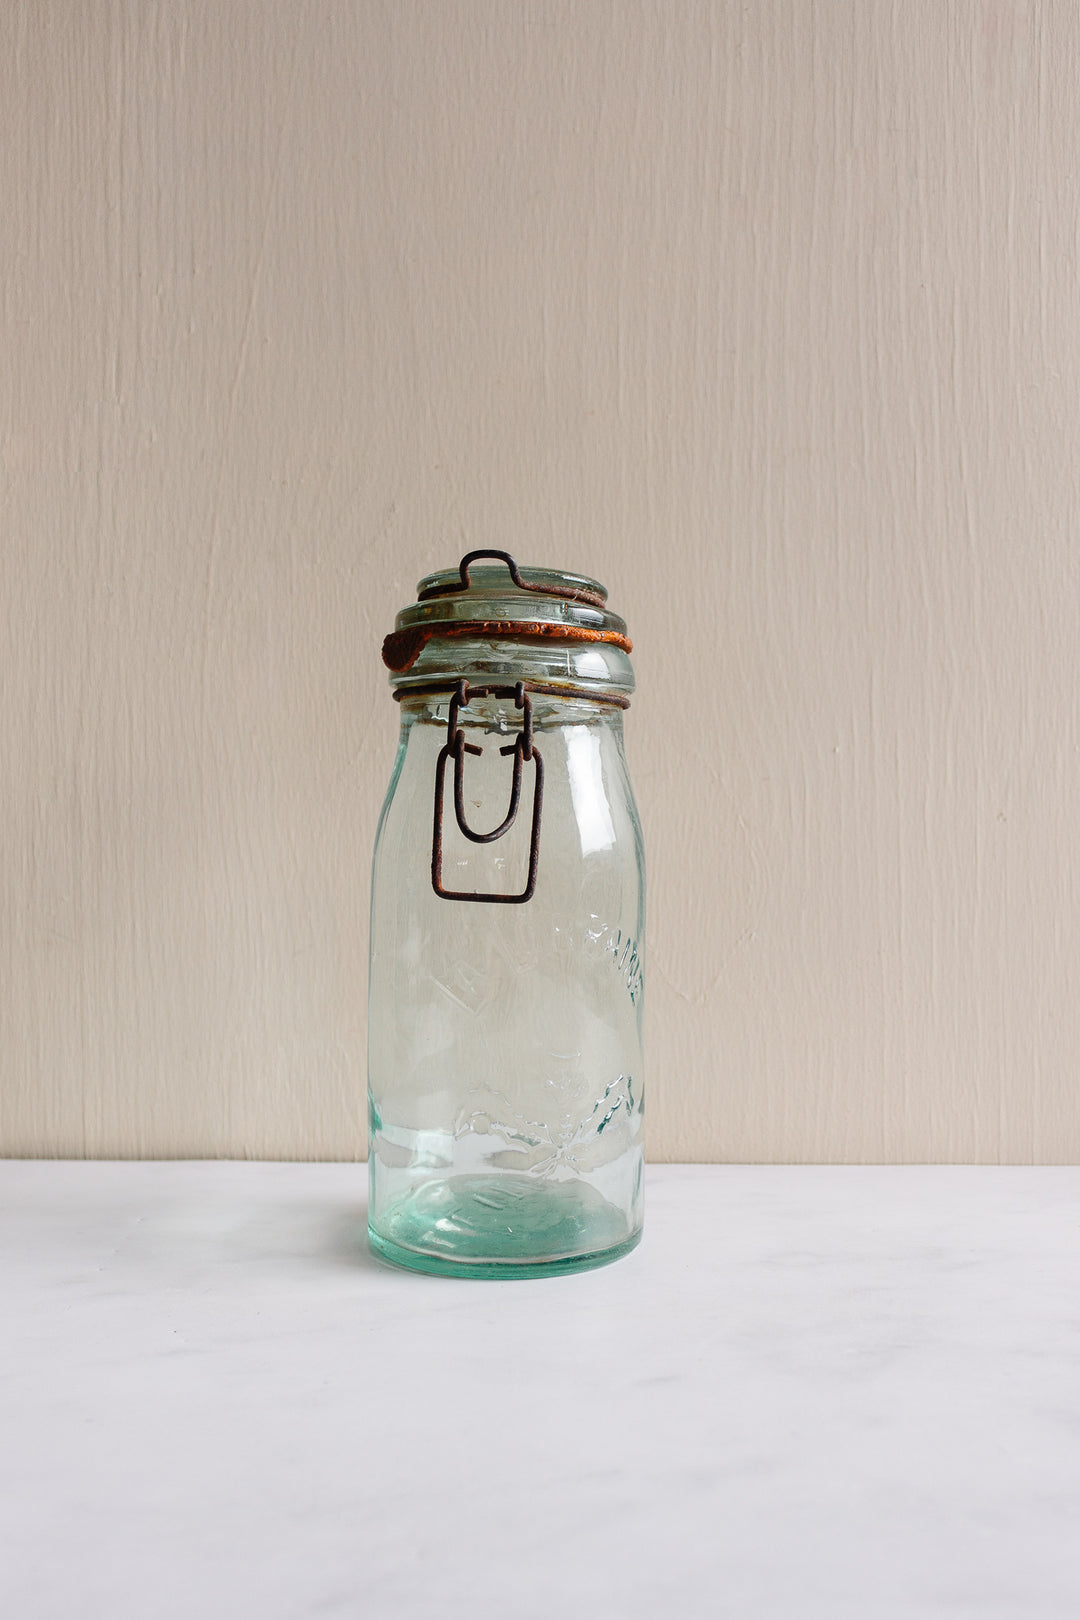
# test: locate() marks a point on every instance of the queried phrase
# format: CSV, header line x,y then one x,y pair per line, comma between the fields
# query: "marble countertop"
x,y
812,1392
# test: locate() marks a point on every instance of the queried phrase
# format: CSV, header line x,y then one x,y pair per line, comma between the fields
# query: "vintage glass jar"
x,y
507,933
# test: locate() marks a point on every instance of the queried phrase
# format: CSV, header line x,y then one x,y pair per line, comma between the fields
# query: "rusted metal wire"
x,y
400,652
523,749
570,592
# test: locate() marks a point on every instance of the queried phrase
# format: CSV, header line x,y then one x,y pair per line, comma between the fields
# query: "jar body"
x,y
505,1038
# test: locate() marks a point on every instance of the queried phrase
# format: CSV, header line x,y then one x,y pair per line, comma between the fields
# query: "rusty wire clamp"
x,y
523,750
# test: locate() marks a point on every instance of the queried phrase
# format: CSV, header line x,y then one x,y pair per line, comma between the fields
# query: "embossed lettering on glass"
x,y
507,933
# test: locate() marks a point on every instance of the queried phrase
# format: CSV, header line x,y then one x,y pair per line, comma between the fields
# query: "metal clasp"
x,y
523,750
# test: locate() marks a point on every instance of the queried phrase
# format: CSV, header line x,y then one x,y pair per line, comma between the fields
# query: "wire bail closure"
x,y
523,749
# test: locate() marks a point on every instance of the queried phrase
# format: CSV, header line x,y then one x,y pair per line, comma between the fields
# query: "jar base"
x,y
501,1226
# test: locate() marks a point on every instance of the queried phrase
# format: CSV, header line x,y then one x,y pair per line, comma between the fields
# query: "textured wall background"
x,y
768,315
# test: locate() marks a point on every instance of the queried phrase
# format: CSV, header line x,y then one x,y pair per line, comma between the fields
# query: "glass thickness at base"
x,y
496,1270
501,1226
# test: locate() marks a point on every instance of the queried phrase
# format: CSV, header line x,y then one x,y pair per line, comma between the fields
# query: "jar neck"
x,y
548,667
498,709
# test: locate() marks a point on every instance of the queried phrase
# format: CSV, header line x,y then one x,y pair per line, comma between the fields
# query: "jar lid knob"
x,y
570,593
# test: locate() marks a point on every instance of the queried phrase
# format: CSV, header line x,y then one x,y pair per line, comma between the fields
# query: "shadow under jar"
x,y
507,933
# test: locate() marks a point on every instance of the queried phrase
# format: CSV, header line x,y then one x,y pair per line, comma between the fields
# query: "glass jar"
x,y
507,934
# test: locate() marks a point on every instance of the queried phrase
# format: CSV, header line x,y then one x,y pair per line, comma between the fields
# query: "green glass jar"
x,y
507,933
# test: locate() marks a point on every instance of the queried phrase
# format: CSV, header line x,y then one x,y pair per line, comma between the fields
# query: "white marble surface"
x,y
811,1392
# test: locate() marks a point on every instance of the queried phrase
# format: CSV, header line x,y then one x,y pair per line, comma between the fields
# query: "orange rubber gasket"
x,y
402,648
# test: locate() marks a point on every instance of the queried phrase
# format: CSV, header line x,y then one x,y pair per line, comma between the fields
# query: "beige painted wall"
x,y
766,314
